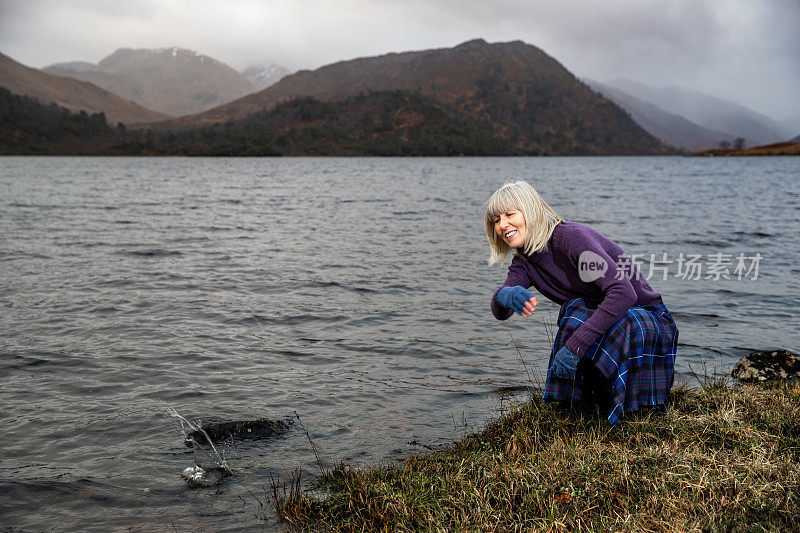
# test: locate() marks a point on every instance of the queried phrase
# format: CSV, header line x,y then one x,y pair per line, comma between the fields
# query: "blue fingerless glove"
x,y
513,298
565,363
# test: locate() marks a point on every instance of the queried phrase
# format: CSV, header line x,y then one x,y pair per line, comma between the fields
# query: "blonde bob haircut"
x,y
540,218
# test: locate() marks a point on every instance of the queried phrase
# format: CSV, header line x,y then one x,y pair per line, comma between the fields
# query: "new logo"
x,y
591,266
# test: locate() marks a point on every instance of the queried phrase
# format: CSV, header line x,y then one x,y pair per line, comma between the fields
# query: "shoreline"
x,y
722,457
782,148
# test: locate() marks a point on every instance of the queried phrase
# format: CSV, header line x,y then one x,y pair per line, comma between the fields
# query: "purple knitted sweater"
x,y
555,273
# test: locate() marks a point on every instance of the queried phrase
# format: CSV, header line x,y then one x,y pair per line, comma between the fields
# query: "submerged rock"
x,y
770,365
242,429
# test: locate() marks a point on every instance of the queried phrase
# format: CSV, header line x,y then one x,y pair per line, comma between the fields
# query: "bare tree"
x,y
725,145
738,144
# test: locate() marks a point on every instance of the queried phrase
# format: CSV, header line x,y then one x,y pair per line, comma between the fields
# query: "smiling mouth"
x,y
511,234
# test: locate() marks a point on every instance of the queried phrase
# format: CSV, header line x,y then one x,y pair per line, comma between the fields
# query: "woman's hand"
x,y
518,299
565,363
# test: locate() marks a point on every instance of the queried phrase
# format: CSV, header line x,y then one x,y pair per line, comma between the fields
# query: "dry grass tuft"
x,y
722,458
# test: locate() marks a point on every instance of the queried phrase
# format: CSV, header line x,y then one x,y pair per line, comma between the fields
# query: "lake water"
x,y
354,292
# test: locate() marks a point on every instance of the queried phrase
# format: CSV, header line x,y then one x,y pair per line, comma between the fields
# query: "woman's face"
x,y
510,226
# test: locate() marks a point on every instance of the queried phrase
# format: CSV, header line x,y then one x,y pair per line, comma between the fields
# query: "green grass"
x,y
723,458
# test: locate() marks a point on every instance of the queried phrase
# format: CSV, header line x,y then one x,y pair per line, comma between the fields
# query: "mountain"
x,y
173,81
671,128
71,93
707,111
265,75
79,66
525,95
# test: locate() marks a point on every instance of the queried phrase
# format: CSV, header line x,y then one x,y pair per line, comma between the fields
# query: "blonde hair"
x,y
540,218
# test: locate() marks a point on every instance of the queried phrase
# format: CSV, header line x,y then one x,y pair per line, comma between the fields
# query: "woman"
x,y
616,341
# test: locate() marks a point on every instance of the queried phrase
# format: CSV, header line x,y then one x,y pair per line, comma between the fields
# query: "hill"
x,y
28,127
379,123
708,111
528,98
71,93
382,123
173,81
671,128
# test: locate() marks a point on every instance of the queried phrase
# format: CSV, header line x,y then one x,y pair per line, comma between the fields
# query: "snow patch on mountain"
x,y
265,75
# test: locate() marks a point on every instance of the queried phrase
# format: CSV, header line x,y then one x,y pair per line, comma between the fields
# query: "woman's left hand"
x,y
565,363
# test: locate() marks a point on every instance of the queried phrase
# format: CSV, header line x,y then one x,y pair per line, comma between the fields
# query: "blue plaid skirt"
x,y
634,359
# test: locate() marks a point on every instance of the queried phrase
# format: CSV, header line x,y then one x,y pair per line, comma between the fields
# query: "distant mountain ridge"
x,y
173,80
707,111
523,93
72,94
669,127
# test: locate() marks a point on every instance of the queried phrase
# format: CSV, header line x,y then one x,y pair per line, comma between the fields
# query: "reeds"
x,y
722,458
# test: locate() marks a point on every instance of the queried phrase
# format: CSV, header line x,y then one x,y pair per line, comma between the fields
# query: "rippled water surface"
x,y
353,292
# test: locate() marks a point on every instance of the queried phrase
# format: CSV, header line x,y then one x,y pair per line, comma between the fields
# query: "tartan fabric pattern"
x,y
636,355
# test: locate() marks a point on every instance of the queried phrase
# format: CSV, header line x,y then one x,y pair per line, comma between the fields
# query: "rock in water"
x,y
772,365
242,429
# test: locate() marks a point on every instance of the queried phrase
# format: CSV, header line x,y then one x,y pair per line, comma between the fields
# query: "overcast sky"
x,y
747,51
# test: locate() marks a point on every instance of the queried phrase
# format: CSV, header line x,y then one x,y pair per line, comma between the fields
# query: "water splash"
x,y
210,468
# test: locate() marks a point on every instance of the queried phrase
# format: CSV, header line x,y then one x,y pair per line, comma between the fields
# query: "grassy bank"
x,y
723,458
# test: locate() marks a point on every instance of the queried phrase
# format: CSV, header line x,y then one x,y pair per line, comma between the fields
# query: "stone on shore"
x,y
760,366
